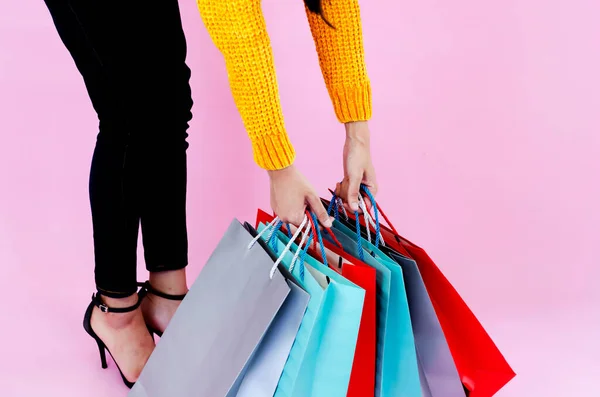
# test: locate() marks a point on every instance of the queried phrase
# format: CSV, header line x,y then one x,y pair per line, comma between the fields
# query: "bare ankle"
x,y
170,281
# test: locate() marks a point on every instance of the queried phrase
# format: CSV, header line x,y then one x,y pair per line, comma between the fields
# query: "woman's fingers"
x,y
315,204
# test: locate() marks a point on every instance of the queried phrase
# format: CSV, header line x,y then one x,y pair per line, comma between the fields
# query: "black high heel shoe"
x,y
150,290
87,325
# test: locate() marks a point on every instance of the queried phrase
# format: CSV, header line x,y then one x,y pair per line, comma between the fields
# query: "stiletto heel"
x,y
101,349
148,289
87,325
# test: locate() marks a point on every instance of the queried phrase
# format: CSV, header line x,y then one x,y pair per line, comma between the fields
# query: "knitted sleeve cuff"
x,y
352,103
273,151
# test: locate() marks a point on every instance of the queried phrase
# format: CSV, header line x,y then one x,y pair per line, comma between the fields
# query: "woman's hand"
x,y
358,166
291,194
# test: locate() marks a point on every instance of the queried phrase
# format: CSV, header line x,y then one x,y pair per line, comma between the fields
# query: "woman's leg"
x,y
132,59
102,37
163,199
93,33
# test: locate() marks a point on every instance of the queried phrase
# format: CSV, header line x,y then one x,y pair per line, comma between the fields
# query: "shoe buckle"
x,y
103,308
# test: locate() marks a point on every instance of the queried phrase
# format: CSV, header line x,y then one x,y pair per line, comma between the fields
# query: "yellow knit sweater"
x,y
238,29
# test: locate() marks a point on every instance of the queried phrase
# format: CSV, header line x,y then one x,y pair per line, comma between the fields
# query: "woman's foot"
x,y
125,335
157,310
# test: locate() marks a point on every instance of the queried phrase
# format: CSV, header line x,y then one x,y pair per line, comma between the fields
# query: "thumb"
x,y
353,192
317,207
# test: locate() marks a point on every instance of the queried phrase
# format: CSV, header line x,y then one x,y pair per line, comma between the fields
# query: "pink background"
x,y
486,141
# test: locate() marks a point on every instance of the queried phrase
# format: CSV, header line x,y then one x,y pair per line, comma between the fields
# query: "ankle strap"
x,y
149,289
97,300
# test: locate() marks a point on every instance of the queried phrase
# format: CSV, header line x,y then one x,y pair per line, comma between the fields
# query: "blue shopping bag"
x,y
399,371
321,358
438,373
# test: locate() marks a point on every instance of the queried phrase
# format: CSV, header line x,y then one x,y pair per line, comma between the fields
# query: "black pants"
x,y
132,59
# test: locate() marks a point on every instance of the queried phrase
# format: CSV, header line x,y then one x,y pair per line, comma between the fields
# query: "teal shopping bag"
x,y
399,371
383,287
321,358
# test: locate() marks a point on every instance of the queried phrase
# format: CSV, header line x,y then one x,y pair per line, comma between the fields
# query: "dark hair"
x,y
316,7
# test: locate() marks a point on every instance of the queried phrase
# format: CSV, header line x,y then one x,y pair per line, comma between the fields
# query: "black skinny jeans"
x,y
132,59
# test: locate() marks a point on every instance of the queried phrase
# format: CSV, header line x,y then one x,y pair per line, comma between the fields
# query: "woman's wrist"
x,y
275,174
358,131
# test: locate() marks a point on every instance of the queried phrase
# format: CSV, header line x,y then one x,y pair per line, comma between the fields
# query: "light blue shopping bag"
x,y
399,371
321,358
384,285
261,376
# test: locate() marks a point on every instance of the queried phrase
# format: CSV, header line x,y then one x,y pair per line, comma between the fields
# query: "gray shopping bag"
x,y
439,377
219,324
262,374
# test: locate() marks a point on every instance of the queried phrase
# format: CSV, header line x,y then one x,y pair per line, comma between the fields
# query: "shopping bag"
x,y
482,368
440,376
219,324
399,374
362,378
321,358
262,375
383,287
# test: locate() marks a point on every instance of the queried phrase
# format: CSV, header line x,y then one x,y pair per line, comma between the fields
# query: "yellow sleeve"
x,y
238,29
342,58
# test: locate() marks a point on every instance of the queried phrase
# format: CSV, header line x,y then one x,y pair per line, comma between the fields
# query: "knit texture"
x,y
342,58
238,29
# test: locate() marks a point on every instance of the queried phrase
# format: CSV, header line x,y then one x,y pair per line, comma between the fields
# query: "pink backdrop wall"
x,y
486,139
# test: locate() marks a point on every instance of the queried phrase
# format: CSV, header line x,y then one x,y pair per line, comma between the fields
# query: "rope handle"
x,y
378,235
335,204
309,231
273,227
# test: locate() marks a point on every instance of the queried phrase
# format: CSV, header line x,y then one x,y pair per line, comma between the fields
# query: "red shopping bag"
x,y
362,378
482,367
